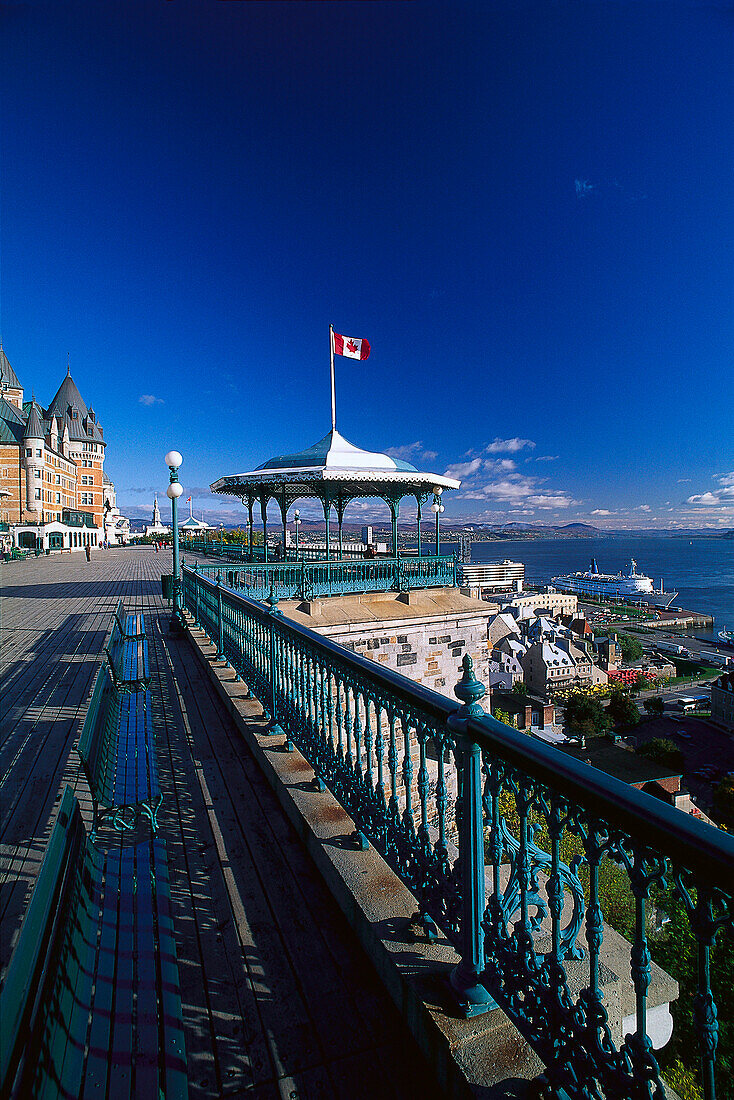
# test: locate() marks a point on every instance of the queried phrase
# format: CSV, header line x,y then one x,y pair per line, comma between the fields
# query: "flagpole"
x,y
333,388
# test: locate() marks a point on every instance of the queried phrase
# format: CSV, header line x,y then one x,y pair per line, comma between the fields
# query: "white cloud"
x,y
411,452
461,470
150,399
552,500
509,446
547,458
643,508
498,481
602,512
723,495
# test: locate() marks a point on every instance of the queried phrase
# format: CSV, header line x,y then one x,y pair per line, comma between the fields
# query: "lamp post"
x,y
173,460
297,522
221,537
437,508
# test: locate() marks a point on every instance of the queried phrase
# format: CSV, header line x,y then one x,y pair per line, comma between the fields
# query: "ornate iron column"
x,y
418,502
474,999
340,506
283,502
326,504
264,514
173,460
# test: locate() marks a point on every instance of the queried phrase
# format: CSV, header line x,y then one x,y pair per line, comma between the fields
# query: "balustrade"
x,y
503,840
309,580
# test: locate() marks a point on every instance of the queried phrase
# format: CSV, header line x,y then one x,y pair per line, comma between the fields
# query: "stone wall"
x,y
427,652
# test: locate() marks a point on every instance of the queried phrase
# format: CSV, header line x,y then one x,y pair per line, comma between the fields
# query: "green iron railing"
x,y
309,580
240,552
478,820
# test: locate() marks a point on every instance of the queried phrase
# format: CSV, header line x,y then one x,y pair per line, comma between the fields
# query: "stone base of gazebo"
x,y
423,633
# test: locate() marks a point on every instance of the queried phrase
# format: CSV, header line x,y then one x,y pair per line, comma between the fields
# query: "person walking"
x,y
88,552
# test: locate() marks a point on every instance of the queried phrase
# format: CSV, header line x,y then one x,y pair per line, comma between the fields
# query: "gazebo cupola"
x,y
334,472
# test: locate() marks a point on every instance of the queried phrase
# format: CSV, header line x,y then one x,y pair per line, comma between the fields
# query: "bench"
x,y
91,1004
127,651
117,752
131,623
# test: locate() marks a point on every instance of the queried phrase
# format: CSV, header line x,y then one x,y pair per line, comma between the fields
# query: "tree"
x,y
520,688
640,681
724,800
503,716
630,647
622,710
583,714
654,706
676,951
663,751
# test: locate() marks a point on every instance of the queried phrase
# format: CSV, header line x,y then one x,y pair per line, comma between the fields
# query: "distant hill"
x,y
728,534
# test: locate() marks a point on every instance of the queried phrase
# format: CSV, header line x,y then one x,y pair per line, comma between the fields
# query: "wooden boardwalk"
x,y
278,998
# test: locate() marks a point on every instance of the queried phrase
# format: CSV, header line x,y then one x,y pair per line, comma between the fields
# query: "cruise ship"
x,y
632,586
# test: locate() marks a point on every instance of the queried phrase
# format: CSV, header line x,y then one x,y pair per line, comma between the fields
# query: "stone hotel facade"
x,y
54,493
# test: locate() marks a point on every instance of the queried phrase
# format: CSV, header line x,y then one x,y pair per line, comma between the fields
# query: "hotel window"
x,y
29,452
39,452
58,479
38,494
37,473
58,498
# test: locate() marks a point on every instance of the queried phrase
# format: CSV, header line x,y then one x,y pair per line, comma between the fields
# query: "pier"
x,y
279,999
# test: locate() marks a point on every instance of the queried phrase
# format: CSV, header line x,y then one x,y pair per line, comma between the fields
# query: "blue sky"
x,y
526,208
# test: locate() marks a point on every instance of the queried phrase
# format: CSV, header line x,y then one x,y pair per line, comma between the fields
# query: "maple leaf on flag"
x,y
351,346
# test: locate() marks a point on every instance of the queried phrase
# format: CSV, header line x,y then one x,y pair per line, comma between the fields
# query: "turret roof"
x,y
7,374
68,398
11,423
34,424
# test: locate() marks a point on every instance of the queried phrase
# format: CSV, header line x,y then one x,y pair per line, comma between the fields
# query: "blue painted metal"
x,y
466,979
308,580
390,750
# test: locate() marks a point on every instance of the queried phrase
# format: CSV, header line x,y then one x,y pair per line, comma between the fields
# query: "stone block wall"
x,y
427,652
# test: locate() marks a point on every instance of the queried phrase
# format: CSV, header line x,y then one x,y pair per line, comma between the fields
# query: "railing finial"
x,y
469,691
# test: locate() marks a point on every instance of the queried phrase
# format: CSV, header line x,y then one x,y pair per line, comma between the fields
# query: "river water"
x,y
700,570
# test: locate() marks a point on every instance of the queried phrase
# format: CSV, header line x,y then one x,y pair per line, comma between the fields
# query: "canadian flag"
x,y
352,349
188,500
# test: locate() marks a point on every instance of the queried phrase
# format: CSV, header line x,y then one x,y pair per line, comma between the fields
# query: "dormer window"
x,y
75,413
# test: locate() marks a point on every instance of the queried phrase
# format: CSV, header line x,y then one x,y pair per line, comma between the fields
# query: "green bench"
x,y
127,651
131,623
91,1004
117,752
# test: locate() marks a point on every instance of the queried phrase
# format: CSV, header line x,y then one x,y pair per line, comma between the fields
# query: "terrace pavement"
x,y
279,1000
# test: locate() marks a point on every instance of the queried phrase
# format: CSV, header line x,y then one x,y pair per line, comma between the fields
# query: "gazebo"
x,y
334,472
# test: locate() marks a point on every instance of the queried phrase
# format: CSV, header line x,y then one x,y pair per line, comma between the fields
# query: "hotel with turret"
x,y
54,493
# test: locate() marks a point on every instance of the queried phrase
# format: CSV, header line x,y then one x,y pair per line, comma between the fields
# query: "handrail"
x,y
618,801
419,777
307,580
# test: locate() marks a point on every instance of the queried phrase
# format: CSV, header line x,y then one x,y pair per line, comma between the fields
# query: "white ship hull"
x,y
634,587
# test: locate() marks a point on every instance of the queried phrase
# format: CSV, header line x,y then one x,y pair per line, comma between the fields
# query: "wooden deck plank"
x,y
278,998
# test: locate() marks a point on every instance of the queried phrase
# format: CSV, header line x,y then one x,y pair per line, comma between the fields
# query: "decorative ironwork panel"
x,y
554,830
